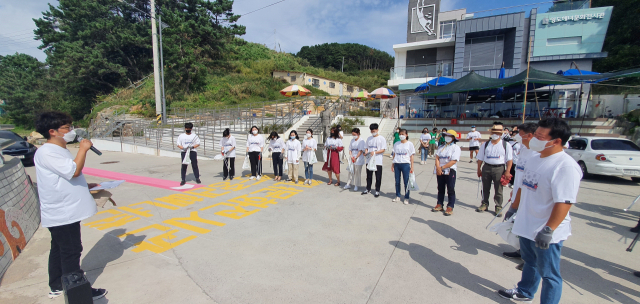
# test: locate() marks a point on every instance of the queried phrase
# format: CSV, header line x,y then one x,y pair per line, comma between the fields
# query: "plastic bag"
x,y
187,158
246,165
350,166
324,155
504,231
371,166
314,158
285,166
412,186
219,157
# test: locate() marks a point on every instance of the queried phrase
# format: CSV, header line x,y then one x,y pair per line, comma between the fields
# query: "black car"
x,y
20,149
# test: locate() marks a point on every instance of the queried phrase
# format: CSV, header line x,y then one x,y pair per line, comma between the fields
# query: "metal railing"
x,y
422,71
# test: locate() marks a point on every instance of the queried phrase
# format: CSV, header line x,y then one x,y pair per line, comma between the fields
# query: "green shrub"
x,y
364,112
348,124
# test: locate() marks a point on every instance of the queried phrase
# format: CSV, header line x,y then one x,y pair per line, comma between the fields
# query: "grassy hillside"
x,y
245,76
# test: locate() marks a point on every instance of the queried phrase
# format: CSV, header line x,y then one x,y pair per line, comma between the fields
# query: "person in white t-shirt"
x,y
255,146
276,146
497,157
425,138
356,153
447,158
376,146
333,144
309,147
228,150
550,185
64,197
293,150
474,142
403,152
188,141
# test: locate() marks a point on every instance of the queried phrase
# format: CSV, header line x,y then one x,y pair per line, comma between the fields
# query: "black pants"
x,y
448,181
194,165
256,164
378,178
513,175
231,163
64,257
277,163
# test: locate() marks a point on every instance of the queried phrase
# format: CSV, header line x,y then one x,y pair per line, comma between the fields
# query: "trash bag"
x,y
187,159
219,157
314,158
371,165
504,230
412,186
324,155
246,165
285,166
350,166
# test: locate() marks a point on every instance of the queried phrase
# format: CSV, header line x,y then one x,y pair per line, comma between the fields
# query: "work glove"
x,y
543,239
510,213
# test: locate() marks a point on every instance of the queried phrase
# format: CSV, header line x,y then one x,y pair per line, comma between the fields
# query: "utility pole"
x,y
156,63
342,70
164,99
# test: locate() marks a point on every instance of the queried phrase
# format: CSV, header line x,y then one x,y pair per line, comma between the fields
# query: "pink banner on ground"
x,y
136,179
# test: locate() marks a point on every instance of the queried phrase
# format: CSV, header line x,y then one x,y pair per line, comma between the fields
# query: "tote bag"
x,y
313,159
246,165
371,166
187,159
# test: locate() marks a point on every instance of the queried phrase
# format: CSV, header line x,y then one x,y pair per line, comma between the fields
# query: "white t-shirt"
x,y
425,138
311,143
475,138
185,140
276,145
495,154
517,147
227,144
293,148
375,144
402,152
447,153
255,143
355,146
333,143
546,181
525,154
64,199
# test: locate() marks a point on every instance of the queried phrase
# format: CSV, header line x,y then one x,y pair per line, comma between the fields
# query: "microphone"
x,y
96,151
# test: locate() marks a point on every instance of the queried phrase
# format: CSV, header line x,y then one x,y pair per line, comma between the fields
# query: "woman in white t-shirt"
x,y
403,152
293,149
309,147
332,165
356,154
447,158
228,150
276,146
255,146
425,137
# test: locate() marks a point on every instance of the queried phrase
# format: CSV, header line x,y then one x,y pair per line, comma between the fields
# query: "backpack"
x,y
504,145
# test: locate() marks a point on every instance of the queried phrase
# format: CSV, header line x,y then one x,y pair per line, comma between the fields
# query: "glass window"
x,y
484,53
447,29
614,144
332,85
578,144
316,83
10,135
293,78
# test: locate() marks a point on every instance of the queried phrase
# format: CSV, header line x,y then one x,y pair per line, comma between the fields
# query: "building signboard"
x,y
574,18
423,18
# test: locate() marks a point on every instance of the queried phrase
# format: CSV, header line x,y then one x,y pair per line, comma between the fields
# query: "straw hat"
x,y
497,128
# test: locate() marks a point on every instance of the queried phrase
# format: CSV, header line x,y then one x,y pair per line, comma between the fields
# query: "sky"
x,y
288,25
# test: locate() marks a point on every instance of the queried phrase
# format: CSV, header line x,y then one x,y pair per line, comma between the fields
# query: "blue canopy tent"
x,y
438,81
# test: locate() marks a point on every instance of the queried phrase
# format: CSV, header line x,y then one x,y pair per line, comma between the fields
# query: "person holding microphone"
x,y
64,196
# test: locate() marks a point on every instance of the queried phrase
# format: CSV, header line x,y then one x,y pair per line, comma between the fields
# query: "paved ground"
x,y
320,244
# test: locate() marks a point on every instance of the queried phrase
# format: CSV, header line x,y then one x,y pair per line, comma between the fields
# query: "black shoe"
x,y
182,183
365,192
224,178
636,273
376,194
520,266
198,181
230,177
513,294
635,229
512,255
98,293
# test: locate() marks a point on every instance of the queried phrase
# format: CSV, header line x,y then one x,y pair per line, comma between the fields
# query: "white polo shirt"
x,y
255,143
545,182
495,154
64,199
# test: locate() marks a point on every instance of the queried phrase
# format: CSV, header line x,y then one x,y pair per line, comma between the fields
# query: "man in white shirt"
x,y
550,185
474,142
188,141
495,154
376,145
64,197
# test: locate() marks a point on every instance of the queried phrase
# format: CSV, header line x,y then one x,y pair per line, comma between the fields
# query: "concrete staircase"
x,y
314,123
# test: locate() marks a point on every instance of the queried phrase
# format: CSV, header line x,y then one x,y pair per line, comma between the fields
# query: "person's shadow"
x,y
442,268
109,248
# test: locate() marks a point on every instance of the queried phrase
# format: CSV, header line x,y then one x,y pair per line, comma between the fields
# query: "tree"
x,y
622,41
21,87
357,57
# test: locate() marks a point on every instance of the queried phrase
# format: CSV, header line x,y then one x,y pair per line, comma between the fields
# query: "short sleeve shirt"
x,y
255,143
425,138
447,153
311,143
495,154
402,152
276,145
475,138
185,140
226,144
355,146
375,144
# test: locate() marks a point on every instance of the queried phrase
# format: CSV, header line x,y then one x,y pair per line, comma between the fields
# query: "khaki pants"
x,y
293,172
432,149
356,177
492,174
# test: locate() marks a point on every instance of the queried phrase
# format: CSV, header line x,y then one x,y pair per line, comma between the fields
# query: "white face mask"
x,y
254,132
307,135
473,129
448,139
292,137
69,136
538,145
495,136
374,133
518,138
403,137
355,136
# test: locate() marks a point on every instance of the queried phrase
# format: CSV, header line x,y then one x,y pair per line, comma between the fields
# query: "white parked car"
x,y
606,156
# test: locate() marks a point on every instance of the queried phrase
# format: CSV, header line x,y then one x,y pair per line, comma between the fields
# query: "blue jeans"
x,y
308,171
404,169
541,264
425,153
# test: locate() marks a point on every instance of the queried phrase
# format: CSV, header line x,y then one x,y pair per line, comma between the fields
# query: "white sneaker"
x,y
347,187
355,188
396,200
55,293
406,201
259,176
253,177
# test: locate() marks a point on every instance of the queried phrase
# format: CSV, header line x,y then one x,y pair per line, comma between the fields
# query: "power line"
x,y
272,4
22,33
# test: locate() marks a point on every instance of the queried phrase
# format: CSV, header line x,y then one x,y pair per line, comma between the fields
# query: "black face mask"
x,y
187,131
